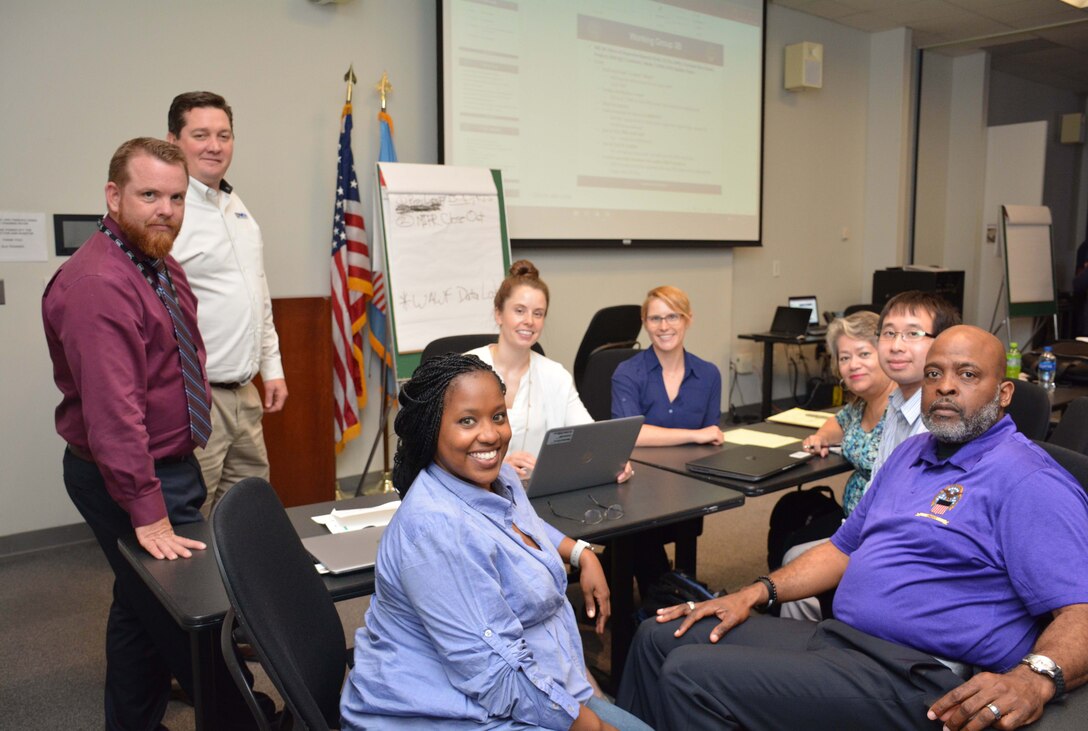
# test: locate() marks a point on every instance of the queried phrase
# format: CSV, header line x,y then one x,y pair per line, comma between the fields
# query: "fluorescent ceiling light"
x,y
1077,3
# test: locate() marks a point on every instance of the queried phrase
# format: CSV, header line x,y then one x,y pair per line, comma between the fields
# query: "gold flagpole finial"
x,y
350,78
384,87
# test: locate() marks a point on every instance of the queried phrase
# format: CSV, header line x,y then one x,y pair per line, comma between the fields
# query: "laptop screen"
x,y
809,303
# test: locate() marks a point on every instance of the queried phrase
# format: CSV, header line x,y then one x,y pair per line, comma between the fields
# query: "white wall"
x,y
90,75
813,187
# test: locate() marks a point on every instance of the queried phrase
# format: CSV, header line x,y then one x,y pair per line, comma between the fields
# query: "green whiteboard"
x,y
445,248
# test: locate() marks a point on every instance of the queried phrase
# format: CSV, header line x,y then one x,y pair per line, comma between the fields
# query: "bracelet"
x,y
576,553
772,591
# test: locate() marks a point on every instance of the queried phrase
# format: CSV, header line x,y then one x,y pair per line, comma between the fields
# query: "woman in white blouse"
x,y
540,393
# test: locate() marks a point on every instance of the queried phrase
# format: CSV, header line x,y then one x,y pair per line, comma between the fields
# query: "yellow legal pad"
x,y
758,438
801,417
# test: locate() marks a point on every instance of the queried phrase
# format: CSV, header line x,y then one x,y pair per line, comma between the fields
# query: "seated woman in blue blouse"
x,y
470,627
679,394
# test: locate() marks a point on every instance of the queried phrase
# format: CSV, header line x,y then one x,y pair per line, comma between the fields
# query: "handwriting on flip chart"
x,y
446,263
442,211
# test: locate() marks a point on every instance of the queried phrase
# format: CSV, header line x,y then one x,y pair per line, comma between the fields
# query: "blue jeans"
x,y
615,716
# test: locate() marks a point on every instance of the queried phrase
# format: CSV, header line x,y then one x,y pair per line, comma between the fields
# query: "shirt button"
x,y
670,411
555,706
487,633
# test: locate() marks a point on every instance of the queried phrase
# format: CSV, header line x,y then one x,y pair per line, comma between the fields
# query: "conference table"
x,y
675,459
192,591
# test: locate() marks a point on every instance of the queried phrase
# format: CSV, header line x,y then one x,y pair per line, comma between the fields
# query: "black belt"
x,y
86,456
229,386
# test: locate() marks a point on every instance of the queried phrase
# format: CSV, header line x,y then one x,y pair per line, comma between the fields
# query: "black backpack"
x,y
672,588
799,517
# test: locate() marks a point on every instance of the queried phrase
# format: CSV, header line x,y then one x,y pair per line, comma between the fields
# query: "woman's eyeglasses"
x,y
672,318
593,516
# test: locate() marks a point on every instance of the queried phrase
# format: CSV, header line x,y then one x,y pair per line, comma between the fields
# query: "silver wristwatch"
x,y
1045,666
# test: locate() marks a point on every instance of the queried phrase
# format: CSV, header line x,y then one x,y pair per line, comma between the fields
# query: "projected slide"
x,y
610,119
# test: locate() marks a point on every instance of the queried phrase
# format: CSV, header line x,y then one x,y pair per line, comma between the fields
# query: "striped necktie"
x,y
196,395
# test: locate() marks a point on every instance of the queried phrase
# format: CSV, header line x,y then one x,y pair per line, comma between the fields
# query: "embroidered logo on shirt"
x,y
944,501
240,214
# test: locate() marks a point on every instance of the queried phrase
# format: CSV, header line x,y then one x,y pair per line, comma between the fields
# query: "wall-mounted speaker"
x,y
804,68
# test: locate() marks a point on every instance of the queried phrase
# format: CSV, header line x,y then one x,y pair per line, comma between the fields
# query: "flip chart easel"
x,y
444,237
1029,263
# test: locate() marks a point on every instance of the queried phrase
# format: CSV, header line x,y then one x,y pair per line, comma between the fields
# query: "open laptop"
x,y
343,552
586,455
808,302
747,462
789,322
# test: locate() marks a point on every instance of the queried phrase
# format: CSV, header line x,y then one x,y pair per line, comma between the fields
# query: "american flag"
x,y
352,288
377,307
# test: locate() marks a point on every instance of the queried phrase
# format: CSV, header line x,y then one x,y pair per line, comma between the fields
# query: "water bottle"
x,y
1012,362
1048,364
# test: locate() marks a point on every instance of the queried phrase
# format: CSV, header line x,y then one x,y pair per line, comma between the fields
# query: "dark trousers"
x,y
771,673
144,645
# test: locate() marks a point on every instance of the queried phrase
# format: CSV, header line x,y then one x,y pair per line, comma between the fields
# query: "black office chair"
x,y
1072,431
1030,410
596,390
860,308
281,605
1070,715
617,326
463,344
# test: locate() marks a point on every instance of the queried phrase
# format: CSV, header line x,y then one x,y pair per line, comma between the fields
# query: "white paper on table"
x,y
758,438
342,521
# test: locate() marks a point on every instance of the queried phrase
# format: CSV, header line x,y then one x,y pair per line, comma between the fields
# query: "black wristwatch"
x,y
1045,666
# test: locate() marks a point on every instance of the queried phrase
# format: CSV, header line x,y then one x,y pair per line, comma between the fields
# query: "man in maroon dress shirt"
x,y
129,464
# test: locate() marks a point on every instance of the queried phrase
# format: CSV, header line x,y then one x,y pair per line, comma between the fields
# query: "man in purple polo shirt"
x,y
124,413
945,571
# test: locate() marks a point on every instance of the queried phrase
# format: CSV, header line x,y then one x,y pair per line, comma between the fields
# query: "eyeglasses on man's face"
x,y
909,336
671,319
592,516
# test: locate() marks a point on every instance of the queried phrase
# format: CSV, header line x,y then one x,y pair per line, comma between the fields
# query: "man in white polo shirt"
x,y
221,250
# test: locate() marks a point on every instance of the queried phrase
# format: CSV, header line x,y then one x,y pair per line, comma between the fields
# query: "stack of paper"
x,y
758,438
342,521
801,417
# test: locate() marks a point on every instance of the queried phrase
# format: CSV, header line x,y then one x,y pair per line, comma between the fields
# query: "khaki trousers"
x,y
236,448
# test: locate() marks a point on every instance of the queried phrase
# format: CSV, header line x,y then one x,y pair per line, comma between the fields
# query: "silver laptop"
x,y
747,462
586,455
343,552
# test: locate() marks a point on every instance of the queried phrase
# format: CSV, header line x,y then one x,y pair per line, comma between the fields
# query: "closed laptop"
x,y
343,552
747,462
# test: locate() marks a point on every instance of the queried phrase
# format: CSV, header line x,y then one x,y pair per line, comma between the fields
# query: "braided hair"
x,y
419,420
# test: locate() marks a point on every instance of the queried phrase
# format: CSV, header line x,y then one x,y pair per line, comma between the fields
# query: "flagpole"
x,y
350,78
384,87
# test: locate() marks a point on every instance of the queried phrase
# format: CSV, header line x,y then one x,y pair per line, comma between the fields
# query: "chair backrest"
x,y
860,308
280,601
1030,410
463,344
1074,463
597,391
1072,431
618,326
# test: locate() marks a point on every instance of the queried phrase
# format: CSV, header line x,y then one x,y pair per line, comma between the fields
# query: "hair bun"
x,y
524,268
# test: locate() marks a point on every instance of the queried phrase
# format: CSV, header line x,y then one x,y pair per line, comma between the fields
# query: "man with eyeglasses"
x,y
908,324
